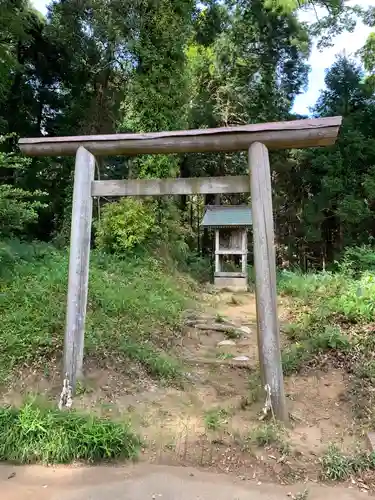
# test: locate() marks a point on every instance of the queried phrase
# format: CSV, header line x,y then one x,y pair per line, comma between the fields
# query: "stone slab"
x,y
231,283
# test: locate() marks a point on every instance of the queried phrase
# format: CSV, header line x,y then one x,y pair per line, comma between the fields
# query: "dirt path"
x,y
209,422
145,482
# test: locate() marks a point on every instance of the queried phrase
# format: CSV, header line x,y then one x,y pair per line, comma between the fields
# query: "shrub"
x,y
18,207
124,225
356,300
309,287
358,259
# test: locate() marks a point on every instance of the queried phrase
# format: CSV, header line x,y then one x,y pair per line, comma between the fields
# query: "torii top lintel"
x,y
275,135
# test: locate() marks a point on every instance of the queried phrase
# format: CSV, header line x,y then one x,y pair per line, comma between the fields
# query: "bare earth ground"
x,y
144,482
173,421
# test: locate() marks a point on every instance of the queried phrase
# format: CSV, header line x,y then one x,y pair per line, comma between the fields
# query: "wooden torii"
x,y
257,139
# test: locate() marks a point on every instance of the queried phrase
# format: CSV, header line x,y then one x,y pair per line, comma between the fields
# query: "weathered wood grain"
x,y
265,278
160,187
275,135
78,265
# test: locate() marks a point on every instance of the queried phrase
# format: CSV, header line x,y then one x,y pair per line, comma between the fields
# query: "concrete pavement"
x,y
146,482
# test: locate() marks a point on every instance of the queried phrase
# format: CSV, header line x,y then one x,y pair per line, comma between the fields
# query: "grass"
x,y
326,306
215,418
133,306
311,343
338,467
33,434
224,355
255,389
334,312
269,434
345,294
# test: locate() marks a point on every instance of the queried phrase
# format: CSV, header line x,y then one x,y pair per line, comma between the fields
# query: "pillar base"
x,y
235,282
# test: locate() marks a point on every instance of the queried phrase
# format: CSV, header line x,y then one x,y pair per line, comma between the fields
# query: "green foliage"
x,y
333,200
311,343
368,58
133,304
338,467
19,208
35,434
295,357
305,286
345,294
124,225
255,387
269,434
356,260
215,418
14,252
292,5
157,94
334,313
200,268
144,66
366,370
133,225
157,364
356,303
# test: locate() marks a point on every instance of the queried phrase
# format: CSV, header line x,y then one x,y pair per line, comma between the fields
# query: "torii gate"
x,y
254,138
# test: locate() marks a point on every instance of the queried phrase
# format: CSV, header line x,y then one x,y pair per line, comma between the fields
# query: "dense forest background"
x,y
105,66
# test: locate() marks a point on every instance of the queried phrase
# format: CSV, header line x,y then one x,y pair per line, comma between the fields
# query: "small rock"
x,y
226,343
246,330
241,358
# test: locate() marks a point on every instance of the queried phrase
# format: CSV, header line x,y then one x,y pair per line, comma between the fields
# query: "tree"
x,y
328,194
18,207
156,97
292,5
368,57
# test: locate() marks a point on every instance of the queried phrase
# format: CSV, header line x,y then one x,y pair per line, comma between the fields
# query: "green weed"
x,y
338,467
233,333
224,355
324,305
295,356
157,364
255,387
35,434
219,318
345,294
215,418
269,434
366,370
293,331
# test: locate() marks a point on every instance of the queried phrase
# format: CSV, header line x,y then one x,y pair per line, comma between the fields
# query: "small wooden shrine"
x,y
230,224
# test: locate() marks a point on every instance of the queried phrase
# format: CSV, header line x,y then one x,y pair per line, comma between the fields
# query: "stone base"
x,y
236,283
